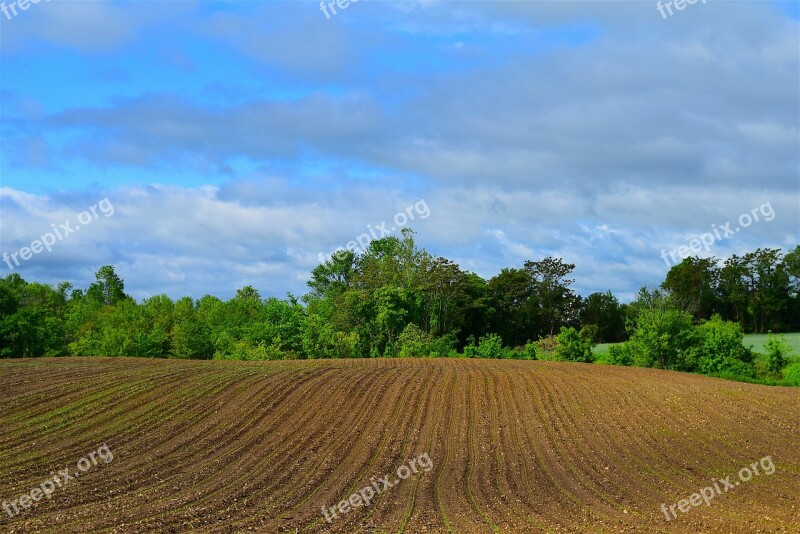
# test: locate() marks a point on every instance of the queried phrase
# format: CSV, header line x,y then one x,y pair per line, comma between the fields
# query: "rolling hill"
x,y
453,445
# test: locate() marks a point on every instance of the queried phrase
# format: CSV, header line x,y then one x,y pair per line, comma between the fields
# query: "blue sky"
x,y
239,140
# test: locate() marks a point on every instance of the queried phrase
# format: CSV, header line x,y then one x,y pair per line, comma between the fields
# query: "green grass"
x,y
602,348
757,342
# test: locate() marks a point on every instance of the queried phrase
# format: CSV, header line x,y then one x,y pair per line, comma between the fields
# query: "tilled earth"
x,y
513,447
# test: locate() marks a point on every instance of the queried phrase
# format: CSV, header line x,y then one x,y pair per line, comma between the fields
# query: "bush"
x,y
489,346
442,346
471,349
736,370
661,336
548,344
412,342
620,354
525,352
529,351
777,349
791,375
574,346
719,347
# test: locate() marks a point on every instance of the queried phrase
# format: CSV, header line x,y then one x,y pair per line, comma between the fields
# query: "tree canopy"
x,y
395,299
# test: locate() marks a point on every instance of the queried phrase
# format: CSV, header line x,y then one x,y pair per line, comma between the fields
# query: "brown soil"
x,y
515,446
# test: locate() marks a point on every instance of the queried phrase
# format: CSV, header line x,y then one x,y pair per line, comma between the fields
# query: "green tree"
x,y
661,333
791,265
769,288
412,342
694,286
777,349
574,346
604,311
109,288
555,304
719,347
191,335
393,305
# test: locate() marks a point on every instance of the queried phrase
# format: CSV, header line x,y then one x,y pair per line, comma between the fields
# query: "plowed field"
x,y
513,446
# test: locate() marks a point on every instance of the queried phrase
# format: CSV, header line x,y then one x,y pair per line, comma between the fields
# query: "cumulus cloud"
x,y
594,131
216,239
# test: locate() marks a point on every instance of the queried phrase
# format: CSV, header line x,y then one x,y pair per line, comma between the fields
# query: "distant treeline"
x,y
394,299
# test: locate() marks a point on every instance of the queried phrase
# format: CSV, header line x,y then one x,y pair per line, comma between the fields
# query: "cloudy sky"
x,y
235,142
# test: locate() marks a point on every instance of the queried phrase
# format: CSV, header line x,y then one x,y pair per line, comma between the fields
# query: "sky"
x,y
203,146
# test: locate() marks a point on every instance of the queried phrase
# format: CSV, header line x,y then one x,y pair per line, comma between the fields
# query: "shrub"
x,y
719,347
791,375
471,349
412,342
736,370
244,350
777,348
574,346
620,354
442,346
529,351
524,352
661,336
548,344
510,354
490,346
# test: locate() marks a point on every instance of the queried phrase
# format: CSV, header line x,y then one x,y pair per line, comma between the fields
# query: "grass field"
x,y
514,446
755,341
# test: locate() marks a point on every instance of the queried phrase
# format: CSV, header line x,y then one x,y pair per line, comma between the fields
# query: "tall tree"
x,y
511,299
556,305
604,311
694,285
109,288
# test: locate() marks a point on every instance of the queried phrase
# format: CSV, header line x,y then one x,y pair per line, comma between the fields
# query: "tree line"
x,y
394,299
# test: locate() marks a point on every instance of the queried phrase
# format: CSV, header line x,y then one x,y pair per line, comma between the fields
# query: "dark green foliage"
x,y
719,348
604,311
693,286
532,302
791,375
777,349
528,352
489,346
661,333
759,290
396,300
109,288
620,354
574,346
